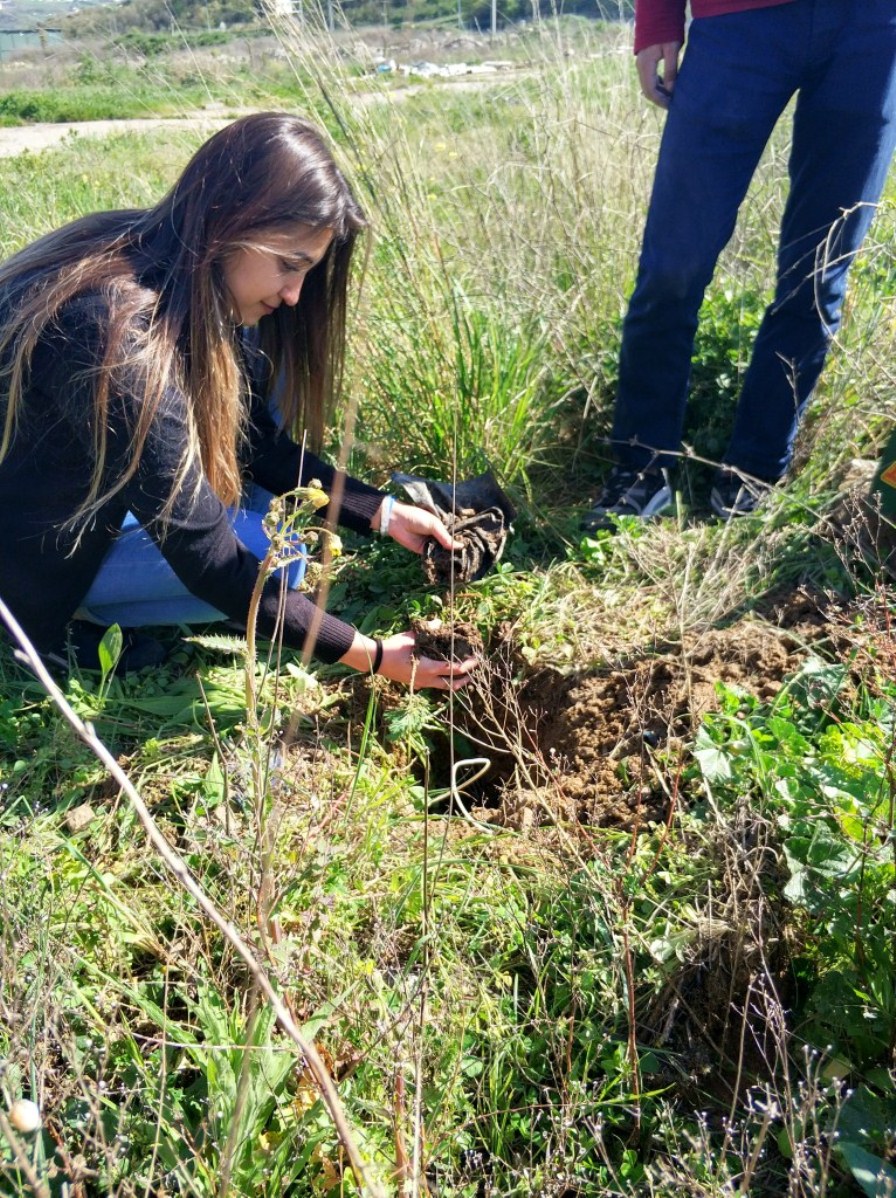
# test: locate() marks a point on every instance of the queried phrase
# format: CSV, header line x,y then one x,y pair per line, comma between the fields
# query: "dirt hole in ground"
x,y
581,745
597,747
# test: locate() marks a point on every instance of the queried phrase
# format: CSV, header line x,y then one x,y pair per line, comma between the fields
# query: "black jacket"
x,y
46,474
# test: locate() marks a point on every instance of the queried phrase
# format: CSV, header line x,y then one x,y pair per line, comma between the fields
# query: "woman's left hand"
x,y
412,527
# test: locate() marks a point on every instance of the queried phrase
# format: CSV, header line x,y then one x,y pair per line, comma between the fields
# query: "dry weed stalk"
x,y
721,1009
704,573
504,722
499,723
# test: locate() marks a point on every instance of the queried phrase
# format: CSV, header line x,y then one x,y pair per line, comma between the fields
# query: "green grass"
x,y
524,1002
130,77
87,174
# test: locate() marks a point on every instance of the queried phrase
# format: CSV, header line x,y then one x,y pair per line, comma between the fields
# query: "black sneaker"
x,y
643,493
82,648
734,494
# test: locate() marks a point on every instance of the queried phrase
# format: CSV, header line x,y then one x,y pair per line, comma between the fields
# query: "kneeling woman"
x,y
131,394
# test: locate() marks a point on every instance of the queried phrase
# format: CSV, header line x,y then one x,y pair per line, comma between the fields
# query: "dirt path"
x,y
21,138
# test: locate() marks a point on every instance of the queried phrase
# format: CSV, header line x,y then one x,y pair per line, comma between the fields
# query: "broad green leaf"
x,y
875,1176
110,649
715,763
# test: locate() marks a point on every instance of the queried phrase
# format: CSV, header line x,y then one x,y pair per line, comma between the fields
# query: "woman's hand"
x,y
412,527
401,665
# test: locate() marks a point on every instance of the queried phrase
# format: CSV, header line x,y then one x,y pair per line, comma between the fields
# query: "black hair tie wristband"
x,y
377,656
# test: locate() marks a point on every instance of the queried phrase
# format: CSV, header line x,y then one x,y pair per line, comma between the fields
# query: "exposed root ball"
x,y
483,536
446,642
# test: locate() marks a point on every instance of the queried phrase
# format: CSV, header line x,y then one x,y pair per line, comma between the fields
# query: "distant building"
x,y
14,40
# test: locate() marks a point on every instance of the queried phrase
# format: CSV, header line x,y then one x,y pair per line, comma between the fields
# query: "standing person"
x,y
744,62
135,409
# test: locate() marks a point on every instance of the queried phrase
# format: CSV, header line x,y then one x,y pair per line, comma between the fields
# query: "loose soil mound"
x,y
585,742
599,730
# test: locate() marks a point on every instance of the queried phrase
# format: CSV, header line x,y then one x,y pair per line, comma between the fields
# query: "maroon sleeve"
x,y
658,21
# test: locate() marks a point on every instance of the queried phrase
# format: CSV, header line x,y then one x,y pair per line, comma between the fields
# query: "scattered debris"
x,y
423,69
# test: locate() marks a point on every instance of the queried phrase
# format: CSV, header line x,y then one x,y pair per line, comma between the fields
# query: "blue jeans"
x,y
738,74
135,586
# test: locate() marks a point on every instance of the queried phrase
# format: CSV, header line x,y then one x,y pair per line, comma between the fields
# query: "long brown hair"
x,y
160,274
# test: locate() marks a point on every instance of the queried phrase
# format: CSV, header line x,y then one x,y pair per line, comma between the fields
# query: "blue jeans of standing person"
x,y
136,587
737,76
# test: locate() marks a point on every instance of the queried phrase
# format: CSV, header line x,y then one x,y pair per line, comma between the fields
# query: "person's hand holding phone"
x,y
657,70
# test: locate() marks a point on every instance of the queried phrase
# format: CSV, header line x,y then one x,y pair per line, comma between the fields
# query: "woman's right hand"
x,y
658,87
401,665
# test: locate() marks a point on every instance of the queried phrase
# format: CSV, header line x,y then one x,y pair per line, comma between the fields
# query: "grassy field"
x,y
649,950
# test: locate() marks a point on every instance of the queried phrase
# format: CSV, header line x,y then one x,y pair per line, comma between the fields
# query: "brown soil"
x,y
604,746
446,642
600,729
583,746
